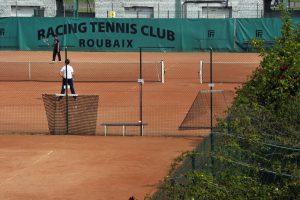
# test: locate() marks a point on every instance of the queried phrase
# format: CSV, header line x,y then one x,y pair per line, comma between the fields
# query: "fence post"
x,y
141,95
211,113
16,8
67,96
193,162
207,11
158,11
75,8
257,10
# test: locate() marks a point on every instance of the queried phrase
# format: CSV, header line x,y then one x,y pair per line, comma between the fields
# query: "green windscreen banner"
x,y
9,34
94,34
267,29
97,34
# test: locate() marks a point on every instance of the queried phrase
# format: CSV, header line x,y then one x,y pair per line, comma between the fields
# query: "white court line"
x,y
33,163
44,156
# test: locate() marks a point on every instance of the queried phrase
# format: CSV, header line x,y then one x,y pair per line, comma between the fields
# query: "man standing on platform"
x,y
67,73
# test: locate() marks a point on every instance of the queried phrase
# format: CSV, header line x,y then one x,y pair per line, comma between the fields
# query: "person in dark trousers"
x,y
67,74
56,49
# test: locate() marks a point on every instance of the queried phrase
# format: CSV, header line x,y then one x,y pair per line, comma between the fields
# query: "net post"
x,y
201,72
162,71
29,70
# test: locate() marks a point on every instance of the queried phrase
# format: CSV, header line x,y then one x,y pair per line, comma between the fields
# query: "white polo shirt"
x,y
70,71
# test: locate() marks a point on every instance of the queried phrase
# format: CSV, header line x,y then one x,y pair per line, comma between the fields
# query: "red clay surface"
x,y
78,167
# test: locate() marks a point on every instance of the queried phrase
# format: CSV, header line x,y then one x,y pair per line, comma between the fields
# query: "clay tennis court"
x,y
36,165
78,167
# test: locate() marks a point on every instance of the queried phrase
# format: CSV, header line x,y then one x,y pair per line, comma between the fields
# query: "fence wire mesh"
x,y
188,9
164,105
271,164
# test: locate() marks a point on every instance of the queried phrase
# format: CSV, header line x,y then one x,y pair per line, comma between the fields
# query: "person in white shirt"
x,y
67,74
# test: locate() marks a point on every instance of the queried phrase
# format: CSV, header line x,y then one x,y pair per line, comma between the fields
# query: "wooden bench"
x,y
123,125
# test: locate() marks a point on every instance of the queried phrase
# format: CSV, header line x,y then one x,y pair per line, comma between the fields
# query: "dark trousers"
x,y
54,54
64,86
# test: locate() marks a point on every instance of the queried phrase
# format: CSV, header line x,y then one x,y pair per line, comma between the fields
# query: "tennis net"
x,y
202,110
227,72
97,71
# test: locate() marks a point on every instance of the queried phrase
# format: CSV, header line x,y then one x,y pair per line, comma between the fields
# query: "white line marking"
x,y
33,163
43,156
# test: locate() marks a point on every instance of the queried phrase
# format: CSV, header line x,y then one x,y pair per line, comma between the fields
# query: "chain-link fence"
x,y
160,10
171,100
218,158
